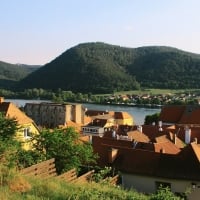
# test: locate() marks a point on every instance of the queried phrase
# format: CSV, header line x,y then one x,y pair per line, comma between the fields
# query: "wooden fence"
x,y
46,169
70,175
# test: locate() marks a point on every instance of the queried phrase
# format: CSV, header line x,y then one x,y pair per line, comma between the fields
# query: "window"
x,y
27,133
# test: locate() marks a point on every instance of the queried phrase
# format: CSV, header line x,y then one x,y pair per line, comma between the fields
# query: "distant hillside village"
x,y
147,156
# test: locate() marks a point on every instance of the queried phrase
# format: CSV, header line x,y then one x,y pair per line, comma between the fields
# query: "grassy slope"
x,y
55,189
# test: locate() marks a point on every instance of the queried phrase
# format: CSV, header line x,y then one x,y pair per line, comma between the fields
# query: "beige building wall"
x,y
79,114
148,185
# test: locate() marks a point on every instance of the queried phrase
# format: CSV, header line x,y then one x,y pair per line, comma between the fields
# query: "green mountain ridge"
x,y
102,68
10,74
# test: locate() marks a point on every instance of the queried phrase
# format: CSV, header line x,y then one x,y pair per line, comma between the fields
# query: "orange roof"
x,y
138,136
74,124
166,147
12,111
196,150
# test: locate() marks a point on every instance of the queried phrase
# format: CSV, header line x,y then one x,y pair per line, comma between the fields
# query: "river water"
x,y
138,113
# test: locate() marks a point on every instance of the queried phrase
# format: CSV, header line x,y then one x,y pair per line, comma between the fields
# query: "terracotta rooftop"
x,y
179,166
12,111
138,136
171,114
190,115
181,114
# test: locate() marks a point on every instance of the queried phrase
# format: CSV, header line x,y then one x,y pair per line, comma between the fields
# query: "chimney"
x,y
1,100
139,128
175,138
160,126
114,134
187,135
112,155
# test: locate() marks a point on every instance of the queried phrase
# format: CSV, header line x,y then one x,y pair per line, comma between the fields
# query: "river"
x,y
138,113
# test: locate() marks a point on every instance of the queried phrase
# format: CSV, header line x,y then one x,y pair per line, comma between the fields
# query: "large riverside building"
x,y
53,115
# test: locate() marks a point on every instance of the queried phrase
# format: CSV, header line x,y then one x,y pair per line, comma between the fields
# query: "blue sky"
x,y
37,31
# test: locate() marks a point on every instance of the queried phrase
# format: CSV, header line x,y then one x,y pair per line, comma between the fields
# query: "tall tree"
x,y
64,145
9,146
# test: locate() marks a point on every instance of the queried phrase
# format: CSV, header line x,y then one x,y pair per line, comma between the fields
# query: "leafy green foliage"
x,y
164,193
101,174
149,119
8,145
8,127
64,145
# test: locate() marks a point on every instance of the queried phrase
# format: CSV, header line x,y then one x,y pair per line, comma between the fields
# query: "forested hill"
x,y
10,74
100,68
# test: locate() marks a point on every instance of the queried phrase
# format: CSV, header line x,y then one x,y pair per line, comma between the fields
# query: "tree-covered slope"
x,y
10,73
100,67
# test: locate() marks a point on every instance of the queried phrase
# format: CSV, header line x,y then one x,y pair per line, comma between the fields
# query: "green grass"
x,y
157,91
14,186
53,189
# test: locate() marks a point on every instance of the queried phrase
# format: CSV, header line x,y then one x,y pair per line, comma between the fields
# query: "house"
x,y
27,127
146,166
99,125
103,121
54,115
146,171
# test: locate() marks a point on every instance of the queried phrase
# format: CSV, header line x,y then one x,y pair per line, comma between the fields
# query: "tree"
x,y
8,144
64,145
149,119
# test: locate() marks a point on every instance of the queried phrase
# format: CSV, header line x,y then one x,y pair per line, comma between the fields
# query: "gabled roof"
x,y
122,115
153,131
138,136
12,111
171,113
190,115
147,163
180,114
166,147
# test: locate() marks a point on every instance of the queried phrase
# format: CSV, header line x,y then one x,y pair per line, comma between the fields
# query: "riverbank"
x,y
138,113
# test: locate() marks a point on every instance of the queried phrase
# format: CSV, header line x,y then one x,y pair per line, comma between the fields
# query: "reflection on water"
x,y
138,113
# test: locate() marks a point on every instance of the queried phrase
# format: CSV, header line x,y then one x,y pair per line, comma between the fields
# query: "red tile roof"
x,y
181,114
190,115
144,160
171,114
